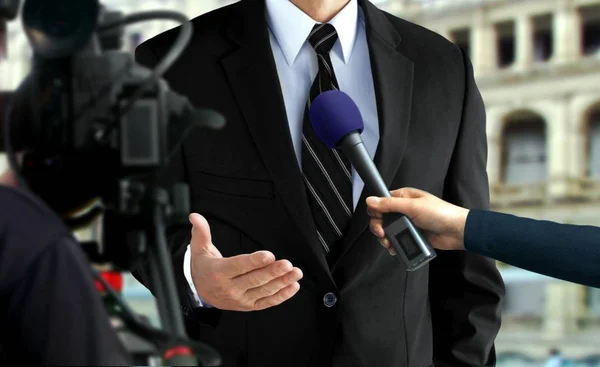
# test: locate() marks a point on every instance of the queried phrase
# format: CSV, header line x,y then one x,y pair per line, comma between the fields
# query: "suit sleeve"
x,y
178,237
563,251
466,289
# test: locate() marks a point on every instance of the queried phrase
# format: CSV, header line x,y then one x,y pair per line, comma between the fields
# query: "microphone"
x,y
338,123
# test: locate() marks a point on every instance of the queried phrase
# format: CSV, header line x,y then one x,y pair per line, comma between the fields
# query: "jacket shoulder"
x,y
205,25
424,40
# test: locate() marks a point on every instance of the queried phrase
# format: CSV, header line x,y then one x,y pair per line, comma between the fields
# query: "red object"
x,y
114,280
177,351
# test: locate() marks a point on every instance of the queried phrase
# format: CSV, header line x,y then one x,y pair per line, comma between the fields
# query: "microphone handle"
x,y
353,146
410,245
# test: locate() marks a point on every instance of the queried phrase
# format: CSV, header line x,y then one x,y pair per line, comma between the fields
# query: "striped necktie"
x,y
327,172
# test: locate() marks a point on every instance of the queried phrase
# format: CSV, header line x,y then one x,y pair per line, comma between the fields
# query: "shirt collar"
x,y
291,27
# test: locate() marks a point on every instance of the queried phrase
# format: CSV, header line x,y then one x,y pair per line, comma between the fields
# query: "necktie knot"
x,y
322,38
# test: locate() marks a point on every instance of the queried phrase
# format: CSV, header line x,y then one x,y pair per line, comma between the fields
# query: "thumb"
x,y
201,238
389,204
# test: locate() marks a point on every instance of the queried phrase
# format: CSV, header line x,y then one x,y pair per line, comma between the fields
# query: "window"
x,y
590,19
524,149
542,37
593,168
3,41
506,43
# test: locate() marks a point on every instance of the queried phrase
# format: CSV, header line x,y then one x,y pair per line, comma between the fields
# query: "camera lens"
x,y
59,28
60,20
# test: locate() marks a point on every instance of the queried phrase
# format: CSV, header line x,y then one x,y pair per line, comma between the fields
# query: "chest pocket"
x,y
232,186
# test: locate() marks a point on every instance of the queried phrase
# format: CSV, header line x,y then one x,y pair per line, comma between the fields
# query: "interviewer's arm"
x,y
563,251
568,252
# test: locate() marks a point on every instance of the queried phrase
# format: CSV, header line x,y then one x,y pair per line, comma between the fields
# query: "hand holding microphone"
x,y
442,222
337,121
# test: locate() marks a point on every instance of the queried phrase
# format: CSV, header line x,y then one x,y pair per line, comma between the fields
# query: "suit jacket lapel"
x,y
393,77
252,73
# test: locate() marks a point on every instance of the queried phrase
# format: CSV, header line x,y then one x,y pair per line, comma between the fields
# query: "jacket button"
x,y
329,299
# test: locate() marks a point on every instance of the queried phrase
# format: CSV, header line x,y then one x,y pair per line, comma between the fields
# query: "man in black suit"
x,y
269,190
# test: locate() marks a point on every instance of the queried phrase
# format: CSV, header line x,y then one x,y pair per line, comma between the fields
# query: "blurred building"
x,y
537,64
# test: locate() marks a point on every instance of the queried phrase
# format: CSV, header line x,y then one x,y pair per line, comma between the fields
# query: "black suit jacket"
x,y
245,179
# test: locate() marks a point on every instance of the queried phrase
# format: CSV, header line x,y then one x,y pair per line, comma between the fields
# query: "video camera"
x,y
89,132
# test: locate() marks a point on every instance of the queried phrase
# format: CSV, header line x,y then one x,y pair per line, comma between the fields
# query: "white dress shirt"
x,y
297,68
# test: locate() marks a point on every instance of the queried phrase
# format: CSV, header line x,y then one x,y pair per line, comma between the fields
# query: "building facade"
x,y
537,64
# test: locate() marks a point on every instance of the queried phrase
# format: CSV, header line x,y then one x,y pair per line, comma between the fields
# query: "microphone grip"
x,y
410,245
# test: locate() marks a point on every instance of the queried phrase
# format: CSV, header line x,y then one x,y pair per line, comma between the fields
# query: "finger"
x,y
385,243
275,285
389,205
261,276
278,298
201,241
374,214
409,193
376,226
241,264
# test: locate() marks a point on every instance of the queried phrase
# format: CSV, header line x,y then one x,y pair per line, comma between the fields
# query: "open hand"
x,y
240,283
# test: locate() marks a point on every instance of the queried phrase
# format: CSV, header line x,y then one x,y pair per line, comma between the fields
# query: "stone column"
x,y
577,138
524,39
567,33
564,306
494,139
557,147
556,325
484,45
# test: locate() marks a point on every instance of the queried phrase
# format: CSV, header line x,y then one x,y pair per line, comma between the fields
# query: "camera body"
x,y
90,123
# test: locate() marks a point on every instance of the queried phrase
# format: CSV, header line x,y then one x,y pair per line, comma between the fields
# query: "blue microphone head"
x,y
333,115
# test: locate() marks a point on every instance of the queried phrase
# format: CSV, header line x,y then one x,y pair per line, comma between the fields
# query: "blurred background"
x,y
537,64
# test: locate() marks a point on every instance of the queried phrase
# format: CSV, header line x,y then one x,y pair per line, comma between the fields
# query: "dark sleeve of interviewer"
x,y
50,311
466,289
564,251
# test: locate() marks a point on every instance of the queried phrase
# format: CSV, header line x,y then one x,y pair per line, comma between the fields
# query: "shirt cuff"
x,y
187,272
